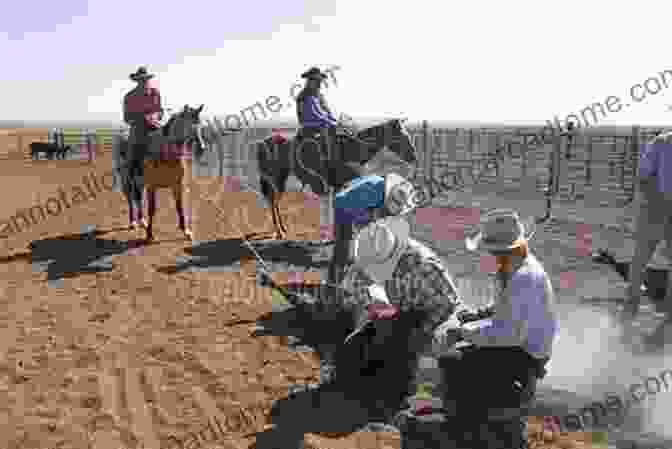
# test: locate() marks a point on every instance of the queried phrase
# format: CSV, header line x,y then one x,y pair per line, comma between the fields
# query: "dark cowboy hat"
x,y
314,73
141,74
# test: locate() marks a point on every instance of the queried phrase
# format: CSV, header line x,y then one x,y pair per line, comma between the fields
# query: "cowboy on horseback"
x,y
143,113
314,115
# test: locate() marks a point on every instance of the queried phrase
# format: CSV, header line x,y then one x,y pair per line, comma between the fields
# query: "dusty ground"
x,y
107,343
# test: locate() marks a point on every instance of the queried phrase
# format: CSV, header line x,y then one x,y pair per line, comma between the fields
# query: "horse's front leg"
x,y
184,226
343,237
151,210
132,223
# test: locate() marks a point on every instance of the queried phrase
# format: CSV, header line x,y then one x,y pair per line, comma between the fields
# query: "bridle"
x,y
192,137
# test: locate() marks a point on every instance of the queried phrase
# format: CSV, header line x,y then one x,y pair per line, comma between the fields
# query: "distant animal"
x,y
655,280
49,149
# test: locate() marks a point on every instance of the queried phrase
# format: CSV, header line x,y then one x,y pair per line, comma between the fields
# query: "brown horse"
x,y
167,167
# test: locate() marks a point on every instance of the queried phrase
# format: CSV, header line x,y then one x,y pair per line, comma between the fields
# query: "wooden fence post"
x,y
426,150
555,161
634,154
589,160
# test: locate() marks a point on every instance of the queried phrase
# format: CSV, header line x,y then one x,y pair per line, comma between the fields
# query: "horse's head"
x,y
402,143
393,135
186,127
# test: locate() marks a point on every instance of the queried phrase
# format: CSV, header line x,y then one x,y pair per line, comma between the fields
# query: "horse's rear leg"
x,y
131,210
270,197
271,191
278,223
151,206
184,226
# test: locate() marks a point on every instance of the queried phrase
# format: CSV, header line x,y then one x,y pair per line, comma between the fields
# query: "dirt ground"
x,y
109,343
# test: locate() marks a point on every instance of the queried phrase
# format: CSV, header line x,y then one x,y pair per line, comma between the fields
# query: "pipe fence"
x,y
595,165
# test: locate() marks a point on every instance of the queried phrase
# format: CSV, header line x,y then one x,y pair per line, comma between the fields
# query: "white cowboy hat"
x,y
501,230
378,247
393,180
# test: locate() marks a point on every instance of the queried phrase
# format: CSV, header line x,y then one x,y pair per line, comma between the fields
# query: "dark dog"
x,y
655,281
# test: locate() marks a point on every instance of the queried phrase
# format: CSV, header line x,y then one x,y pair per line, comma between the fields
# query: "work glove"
x,y
448,333
469,315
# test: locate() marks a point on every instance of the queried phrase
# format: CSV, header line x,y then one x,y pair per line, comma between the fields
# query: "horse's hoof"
x,y
280,235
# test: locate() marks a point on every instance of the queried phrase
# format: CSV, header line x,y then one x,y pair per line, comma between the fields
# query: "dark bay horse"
x,y
167,166
323,166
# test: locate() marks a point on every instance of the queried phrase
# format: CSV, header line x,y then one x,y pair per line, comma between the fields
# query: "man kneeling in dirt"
x,y
492,381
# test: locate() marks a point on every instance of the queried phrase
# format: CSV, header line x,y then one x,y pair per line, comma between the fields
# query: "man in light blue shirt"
x,y
517,339
654,222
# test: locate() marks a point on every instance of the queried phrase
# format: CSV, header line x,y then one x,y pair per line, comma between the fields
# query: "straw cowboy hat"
x,y
501,230
393,180
141,74
314,73
378,247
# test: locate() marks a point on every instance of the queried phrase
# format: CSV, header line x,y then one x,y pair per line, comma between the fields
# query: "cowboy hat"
x,y
141,74
378,247
314,73
392,180
501,230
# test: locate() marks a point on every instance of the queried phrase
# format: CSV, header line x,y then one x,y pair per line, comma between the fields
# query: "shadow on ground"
x,y
333,410
225,253
70,255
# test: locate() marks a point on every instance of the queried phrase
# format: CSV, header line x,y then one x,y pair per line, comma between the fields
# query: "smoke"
x,y
592,358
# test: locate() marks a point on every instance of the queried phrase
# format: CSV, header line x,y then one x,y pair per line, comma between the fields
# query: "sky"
x,y
510,62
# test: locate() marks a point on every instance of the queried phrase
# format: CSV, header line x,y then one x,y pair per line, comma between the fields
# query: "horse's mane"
x,y
664,136
169,123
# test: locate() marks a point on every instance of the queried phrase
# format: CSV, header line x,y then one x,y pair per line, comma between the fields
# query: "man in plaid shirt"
x,y
394,270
